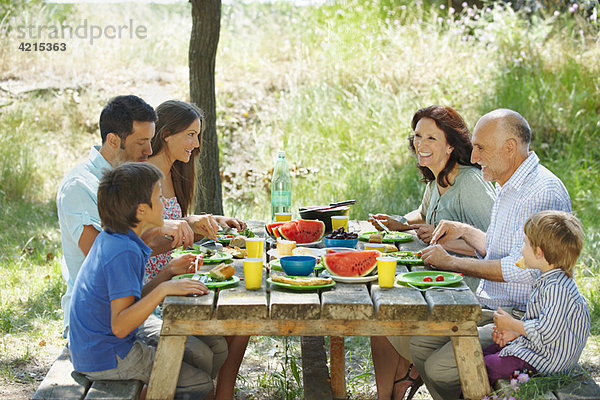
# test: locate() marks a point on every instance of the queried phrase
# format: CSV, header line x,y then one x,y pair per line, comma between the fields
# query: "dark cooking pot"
x,y
323,215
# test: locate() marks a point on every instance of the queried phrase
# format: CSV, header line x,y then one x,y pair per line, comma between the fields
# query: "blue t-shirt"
x,y
114,268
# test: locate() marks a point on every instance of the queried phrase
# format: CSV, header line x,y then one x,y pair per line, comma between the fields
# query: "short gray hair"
x,y
513,122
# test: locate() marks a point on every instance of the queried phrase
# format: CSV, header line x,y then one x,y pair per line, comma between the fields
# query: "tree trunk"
x,y
206,24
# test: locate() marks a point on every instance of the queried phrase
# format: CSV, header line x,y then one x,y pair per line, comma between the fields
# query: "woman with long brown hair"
x,y
455,191
175,146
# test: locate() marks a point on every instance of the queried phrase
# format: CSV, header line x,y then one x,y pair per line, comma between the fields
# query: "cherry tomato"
x,y
439,278
418,254
428,279
461,274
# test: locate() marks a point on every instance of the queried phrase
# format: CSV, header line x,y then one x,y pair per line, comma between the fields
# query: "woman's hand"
x,y
388,221
424,231
231,222
183,264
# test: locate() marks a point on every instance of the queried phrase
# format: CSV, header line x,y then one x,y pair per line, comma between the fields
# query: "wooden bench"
x,y
62,382
585,390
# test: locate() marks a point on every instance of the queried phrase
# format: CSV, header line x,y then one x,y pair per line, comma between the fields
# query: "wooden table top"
x,y
345,301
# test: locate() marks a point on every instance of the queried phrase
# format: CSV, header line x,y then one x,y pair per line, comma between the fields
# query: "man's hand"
x,y
438,257
231,222
179,230
205,225
183,264
448,230
424,231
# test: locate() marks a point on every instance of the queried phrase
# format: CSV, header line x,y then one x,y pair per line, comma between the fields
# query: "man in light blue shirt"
x,y
126,127
501,141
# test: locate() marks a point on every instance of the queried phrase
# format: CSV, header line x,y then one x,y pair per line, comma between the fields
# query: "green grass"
x,y
335,85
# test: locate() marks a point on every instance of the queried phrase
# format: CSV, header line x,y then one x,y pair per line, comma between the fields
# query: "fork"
x,y
437,287
196,275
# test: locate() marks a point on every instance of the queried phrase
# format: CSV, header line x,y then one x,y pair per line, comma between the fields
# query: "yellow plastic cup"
x,y
253,268
254,247
386,271
339,220
375,246
282,217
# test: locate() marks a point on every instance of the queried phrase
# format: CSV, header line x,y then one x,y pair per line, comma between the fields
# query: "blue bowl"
x,y
298,265
350,243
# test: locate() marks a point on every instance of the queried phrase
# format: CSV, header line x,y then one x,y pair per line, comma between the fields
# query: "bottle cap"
x,y
281,153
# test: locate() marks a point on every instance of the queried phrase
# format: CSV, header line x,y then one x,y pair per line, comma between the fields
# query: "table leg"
x,y
165,371
338,367
471,368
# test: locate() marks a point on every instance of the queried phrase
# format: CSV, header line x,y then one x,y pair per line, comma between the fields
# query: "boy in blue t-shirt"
x,y
552,334
109,300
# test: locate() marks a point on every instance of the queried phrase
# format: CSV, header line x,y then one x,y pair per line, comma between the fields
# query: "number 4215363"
x,y
42,46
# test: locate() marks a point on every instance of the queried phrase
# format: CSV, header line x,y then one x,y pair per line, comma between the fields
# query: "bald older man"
x,y
501,141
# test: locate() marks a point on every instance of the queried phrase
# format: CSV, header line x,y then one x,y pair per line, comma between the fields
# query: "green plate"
x,y
275,265
224,239
406,258
218,257
416,278
392,237
299,287
210,283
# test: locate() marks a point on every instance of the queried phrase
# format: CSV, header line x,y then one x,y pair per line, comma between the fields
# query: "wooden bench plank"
x,y
62,382
586,390
115,390
347,301
315,374
285,304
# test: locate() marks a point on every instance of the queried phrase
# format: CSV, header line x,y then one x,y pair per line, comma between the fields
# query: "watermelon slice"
x,y
269,227
351,263
302,230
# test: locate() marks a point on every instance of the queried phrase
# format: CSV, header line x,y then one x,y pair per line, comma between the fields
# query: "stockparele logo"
x,y
82,31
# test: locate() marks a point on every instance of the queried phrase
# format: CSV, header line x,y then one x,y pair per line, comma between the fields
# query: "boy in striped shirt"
x,y
552,334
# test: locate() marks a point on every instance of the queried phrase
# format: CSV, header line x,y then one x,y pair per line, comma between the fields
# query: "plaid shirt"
x,y
532,188
557,322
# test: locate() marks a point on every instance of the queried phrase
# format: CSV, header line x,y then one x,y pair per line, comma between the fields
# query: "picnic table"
x,y
348,309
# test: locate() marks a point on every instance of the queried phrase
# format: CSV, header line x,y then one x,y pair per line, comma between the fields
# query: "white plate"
x,y
352,279
311,244
275,253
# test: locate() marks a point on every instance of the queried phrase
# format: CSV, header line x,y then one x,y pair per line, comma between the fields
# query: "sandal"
x,y
415,385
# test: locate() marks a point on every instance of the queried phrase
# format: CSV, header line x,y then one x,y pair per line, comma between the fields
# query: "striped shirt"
x,y
531,188
557,323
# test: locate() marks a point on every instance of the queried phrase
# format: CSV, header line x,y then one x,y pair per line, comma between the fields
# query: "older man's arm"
x,y
487,269
447,231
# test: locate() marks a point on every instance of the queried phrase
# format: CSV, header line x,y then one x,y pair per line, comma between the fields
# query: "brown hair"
x,y
559,235
457,135
173,117
120,192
